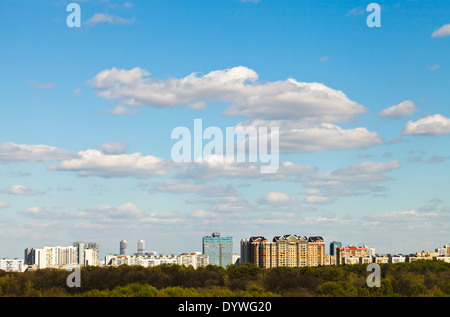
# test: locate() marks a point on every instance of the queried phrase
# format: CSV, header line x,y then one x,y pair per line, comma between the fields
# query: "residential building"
x,y
288,250
87,253
12,265
195,259
396,258
351,251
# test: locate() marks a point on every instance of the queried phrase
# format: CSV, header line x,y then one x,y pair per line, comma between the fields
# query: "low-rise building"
x,y
380,259
396,258
196,260
11,265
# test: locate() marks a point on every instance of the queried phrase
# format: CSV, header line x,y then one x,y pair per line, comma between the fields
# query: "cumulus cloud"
x,y
356,179
238,86
11,152
20,190
104,216
276,198
314,199
302,137
215,167
114,147
429,125
176,186
97,163
404,108
442,31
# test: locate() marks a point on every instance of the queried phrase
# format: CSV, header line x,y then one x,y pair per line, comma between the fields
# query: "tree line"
x,y
419,278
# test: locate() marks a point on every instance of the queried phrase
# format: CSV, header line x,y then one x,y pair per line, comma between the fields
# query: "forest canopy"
x,y
419,278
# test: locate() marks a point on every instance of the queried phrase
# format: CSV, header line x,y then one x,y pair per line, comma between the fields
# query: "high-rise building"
x,y
87,253
51,256
351,252
141,247
333,246
218,249
123,247
288,250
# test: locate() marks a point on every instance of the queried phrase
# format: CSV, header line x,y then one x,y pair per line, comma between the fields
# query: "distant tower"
x,y
333,246
218,249
141,247
123,247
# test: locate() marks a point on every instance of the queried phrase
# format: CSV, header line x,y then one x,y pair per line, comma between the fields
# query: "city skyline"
x,y
88,114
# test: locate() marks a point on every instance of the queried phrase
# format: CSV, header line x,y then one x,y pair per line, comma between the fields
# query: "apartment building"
x,y
195,260
351,252
287,250
11,265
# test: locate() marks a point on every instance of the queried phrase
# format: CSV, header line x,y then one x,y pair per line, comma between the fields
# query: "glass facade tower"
x,y
218,249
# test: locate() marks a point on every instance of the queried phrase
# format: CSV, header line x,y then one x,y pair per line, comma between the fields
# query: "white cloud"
x,y
114,147
215,167
97,163
276,198
356,179
429,125
122,110
105,216
363,172
176,186
314,199
442,31
4,204
11,152
107,18
405,108
302,137
19,190
238,86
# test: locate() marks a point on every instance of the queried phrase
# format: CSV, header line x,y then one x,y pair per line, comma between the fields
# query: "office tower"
x,y
218,249
123,247
80,246
141,247
288,250
333,246
244,250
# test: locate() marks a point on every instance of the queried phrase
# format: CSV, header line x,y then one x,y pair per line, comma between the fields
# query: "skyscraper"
x,y
123,247
333,246
141,247
218,249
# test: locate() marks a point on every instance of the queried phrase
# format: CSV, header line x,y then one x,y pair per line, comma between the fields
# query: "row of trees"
x,y
420,278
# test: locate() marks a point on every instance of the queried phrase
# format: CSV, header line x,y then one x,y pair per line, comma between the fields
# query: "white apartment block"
x,y
61,256
11,265
397,259
195,259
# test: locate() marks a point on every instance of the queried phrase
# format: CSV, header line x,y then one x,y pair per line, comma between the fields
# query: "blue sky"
x,y
87,114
